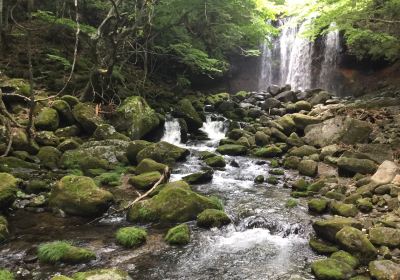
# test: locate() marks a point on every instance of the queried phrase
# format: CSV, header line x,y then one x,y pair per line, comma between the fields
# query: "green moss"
x,y
345,257
131,237
134,148
291,203
268,152
113,274
85,115
291,162
3,229
145,181
71,100
163,152
63,251
49,157
60,277
317,205
179,235
300,194
259,179
300,185
37,186
111,179
216,161
8,190
316,186
6,274
322,247
148,165
273,163
231,149
278,172
331,269
343,209
47,119
20,86
272,180
212,218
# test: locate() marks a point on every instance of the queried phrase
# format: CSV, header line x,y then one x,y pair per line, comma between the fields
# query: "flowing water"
x,y
265,241
292,59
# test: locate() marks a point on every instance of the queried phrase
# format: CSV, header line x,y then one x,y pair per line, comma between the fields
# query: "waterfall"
x,y
172,131
291,59
214,128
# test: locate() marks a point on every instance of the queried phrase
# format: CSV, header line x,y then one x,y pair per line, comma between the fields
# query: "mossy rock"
x,y
64,111
385,236
47,138
111,179
343,209
356,242
102,274
106,132
322,247
60,277
384,270
47,119
163,152
149,165
346,257
291,162
85,115
303,151
186,111
327,229
206,154
10,164
4,233
199,177
131,237
277,172
215,161
37,186
318,205
287,124
302,105
231,149
308,168
68,131
300,185
71,100
68,144
291,203
179,235
49,157
259,179
8,190
134,148
218,98
316,186
268,152
173,204
212,218
78,195
22,142
145,181
63,252
136,118
331,269
352,166
272,180
5,274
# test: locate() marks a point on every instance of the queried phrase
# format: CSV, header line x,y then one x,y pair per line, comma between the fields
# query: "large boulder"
x,y
163,152
80,196
134,148
308,167
148,165
136,118
356,242
145,181
384,270
232,149
49,157
385,236
173,204
186,111
337,130
8,190
85,115
212,218
355,165
106,132
302,121
331,269
47,119
327,229
385,173
287,123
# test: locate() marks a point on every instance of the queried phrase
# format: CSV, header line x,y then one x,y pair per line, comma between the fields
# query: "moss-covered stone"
x,y
134,148
352,166
9,164
343,209
107,131
199,177
136,118
37,186
364,205
268,152
149,165
322,247
308,167
216,161
6,274
186,111
60,277
385,236
68,131
300,185
384,270
212,218
163,152
85,115
64,111
303,151
67,145
4,233
62,251
346,257
291,162
327,229
8,190
317,205
131,237
47,119
291,203
145,181
22,142
278,172
231,149
259,179
173,204
287,124
302,105
357,243
71,100
316,186
78,195
272,180
102,274
218,98
302,121
46,138
179,235
49,157
331,269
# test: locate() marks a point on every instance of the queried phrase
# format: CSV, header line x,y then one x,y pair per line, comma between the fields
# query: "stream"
x,y
266,240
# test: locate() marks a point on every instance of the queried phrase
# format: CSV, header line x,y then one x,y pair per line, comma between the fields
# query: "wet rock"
x,y
134,148
384,270
287,96
179,235
385,173
49,157
78,195
173,204
102,274
352,166
322,247
308,168
327,229
202,177
343,209
86,116
346,257
262,139
47,119
106,132
215,161
317,205
336,130
8,190
212,218
131,237
268,152
163,152
376,152
385,236
236,134
356,243
364,205
145,181
270,103
186,111
136,118
303,151
231,149
63,252
331,269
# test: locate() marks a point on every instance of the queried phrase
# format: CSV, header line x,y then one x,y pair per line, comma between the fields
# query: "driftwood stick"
x,y
164,179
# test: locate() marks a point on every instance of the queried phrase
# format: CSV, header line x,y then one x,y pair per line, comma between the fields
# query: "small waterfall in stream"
x,y
172,131
214,128
293,59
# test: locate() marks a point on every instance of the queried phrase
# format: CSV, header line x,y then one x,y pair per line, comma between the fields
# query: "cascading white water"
x,y
172,131
290,59
215,129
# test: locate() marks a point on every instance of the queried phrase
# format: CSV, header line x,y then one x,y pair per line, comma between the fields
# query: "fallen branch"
x,y
164,179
